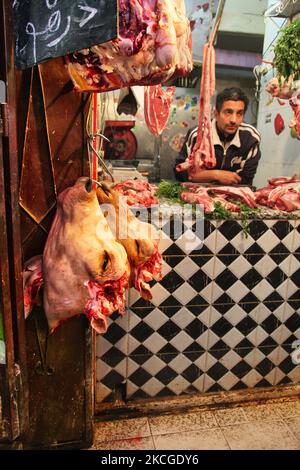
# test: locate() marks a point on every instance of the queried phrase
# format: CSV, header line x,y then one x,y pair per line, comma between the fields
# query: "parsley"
x,y
170,191
287,58
220,212
246,213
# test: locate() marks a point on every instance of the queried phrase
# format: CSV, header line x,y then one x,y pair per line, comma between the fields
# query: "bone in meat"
x,y
154,44
203,154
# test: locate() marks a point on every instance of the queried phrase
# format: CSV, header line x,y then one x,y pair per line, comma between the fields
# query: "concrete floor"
x,y
275,425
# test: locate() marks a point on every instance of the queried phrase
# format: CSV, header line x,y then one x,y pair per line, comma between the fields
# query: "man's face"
x,y
230,117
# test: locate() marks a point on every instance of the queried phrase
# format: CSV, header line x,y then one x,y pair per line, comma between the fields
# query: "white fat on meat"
x,y
281,194
154,44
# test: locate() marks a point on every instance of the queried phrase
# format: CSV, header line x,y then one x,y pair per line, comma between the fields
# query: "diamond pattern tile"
x,y
186,268
223,318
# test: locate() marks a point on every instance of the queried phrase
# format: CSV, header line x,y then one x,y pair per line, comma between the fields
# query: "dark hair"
x,y
231,94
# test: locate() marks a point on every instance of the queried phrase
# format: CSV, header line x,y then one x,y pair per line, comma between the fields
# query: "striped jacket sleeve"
x,y
249,165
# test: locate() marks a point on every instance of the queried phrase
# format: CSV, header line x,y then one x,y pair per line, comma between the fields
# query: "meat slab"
x,y
154,44
287,90
137,192
281,194
157,106
32,283
208,196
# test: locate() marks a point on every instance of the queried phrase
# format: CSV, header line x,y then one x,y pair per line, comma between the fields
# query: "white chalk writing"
x,y
92,12
53,26
51,5
56,25
57,40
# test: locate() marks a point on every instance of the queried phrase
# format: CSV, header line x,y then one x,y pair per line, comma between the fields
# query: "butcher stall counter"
x,y
224,317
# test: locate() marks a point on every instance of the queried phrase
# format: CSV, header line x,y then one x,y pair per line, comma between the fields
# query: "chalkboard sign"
x,y
45,29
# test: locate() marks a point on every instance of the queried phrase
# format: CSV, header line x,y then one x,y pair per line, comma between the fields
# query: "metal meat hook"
x,y
42,368
101,161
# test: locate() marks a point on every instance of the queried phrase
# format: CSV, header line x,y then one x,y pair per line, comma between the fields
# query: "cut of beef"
x,y
200,197
157,106
245,195
283,197
85,269
154,44
283,180
203,153
137,192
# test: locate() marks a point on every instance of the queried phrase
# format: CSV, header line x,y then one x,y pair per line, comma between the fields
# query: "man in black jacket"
x,y
236,143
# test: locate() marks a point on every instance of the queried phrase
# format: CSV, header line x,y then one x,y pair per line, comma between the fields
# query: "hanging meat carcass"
x,y
137,192
32,283
157,106
85,270
154,44
203,153
295,105
287,90
140,239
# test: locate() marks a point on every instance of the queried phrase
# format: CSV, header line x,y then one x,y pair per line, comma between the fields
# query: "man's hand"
x,y
226,177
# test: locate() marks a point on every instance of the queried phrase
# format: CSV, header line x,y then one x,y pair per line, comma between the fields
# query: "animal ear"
x,y
103,194
100,324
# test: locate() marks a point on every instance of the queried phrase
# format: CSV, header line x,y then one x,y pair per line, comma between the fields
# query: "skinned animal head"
x,y
81,250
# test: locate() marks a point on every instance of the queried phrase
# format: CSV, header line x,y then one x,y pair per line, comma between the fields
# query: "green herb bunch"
x,y
287,52
170,191
247,213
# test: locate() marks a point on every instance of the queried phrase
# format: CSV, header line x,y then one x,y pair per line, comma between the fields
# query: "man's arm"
x,y
216,176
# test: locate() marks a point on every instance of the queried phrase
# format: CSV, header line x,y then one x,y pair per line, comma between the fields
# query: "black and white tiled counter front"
x,y
225,316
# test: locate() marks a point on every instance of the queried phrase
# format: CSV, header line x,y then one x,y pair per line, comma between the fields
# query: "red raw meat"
x,y
32,283
283,194
208,196
244,195
102,297
154,44
200,197
137,192
81,252
283,180
230,206
279,124
203,153
146,272
157,106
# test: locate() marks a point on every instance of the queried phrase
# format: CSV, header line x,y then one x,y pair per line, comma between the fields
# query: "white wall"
x,y
244,16
280,153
